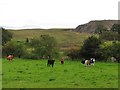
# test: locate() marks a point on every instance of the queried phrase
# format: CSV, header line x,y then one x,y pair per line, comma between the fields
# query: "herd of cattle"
x,y
51,61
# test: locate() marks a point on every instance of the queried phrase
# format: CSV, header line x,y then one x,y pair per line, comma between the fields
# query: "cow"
x,y
62,60
92,61
10,57
88,62
113,59
50,62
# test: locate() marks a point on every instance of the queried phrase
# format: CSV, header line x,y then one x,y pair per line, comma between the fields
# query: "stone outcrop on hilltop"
x,y
91,26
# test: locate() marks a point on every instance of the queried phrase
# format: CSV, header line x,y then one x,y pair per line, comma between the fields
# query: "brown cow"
x,y
62,60
10,57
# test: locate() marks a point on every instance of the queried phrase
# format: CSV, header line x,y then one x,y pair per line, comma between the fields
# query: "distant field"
x,y
22,73
65,38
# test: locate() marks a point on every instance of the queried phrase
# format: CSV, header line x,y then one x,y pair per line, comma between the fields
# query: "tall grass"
x,y
65,38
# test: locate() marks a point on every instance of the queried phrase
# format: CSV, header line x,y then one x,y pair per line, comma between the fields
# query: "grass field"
x,y
21,73
66,39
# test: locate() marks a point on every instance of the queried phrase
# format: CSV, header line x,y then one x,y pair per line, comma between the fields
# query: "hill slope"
x,y
91,26
66,38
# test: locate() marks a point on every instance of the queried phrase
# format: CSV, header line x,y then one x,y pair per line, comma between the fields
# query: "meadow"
x,y
23,73
66,39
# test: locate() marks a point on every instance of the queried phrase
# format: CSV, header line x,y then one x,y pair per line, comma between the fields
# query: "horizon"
x,y
38,27
48,14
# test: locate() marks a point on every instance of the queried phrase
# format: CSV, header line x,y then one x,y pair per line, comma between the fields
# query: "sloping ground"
x,y
66,39
91,26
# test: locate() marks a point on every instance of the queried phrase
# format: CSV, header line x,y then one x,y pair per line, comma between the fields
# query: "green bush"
x,y
73,54
110,49
13,47
44,46
90,47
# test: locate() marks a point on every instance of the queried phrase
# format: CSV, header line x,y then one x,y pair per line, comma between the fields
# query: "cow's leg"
x,y
48,64
52,65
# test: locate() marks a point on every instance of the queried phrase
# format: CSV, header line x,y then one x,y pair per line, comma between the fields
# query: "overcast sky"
x,y
55,13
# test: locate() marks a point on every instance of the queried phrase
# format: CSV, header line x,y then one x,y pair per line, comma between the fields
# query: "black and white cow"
x,y
50,62
88,62
92,61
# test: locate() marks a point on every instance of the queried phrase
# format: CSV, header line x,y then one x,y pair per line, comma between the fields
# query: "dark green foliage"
x,y
90,47
116,50
110,49
109,35
44,46
6,36
73,54
15,48
116,28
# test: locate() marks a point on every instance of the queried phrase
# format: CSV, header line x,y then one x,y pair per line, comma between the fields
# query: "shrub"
x,y
73,54
110,49
13,47
44,46
90,47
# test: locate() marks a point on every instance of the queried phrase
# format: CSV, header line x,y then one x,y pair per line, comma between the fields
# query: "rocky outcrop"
x,y
91,26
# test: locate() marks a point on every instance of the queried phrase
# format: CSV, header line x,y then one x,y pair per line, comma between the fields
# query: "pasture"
x,y
23,73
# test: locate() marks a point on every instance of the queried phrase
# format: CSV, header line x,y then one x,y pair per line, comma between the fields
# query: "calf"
x,y
10,57
50,62
62,60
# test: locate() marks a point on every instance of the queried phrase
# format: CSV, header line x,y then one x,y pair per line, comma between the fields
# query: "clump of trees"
x,y
44,47
116,28
90,47
110,49
36,48
110,35
101,47
15,48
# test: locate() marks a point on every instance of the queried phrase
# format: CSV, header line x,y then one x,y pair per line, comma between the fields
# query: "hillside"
x,y
65,37
91,26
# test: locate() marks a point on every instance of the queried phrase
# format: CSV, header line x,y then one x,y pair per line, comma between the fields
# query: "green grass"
x,y
21,73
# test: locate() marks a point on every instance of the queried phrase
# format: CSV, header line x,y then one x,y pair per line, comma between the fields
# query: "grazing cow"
x,y
113,59
10,57
88,62
92,61
50,62
62,60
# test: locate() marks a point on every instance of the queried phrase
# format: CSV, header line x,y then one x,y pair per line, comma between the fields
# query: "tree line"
x,y
102,46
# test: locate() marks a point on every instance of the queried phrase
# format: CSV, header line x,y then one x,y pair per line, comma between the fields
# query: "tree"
x,y
116,28
15,48
110,49
90,47
6,36
44,46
